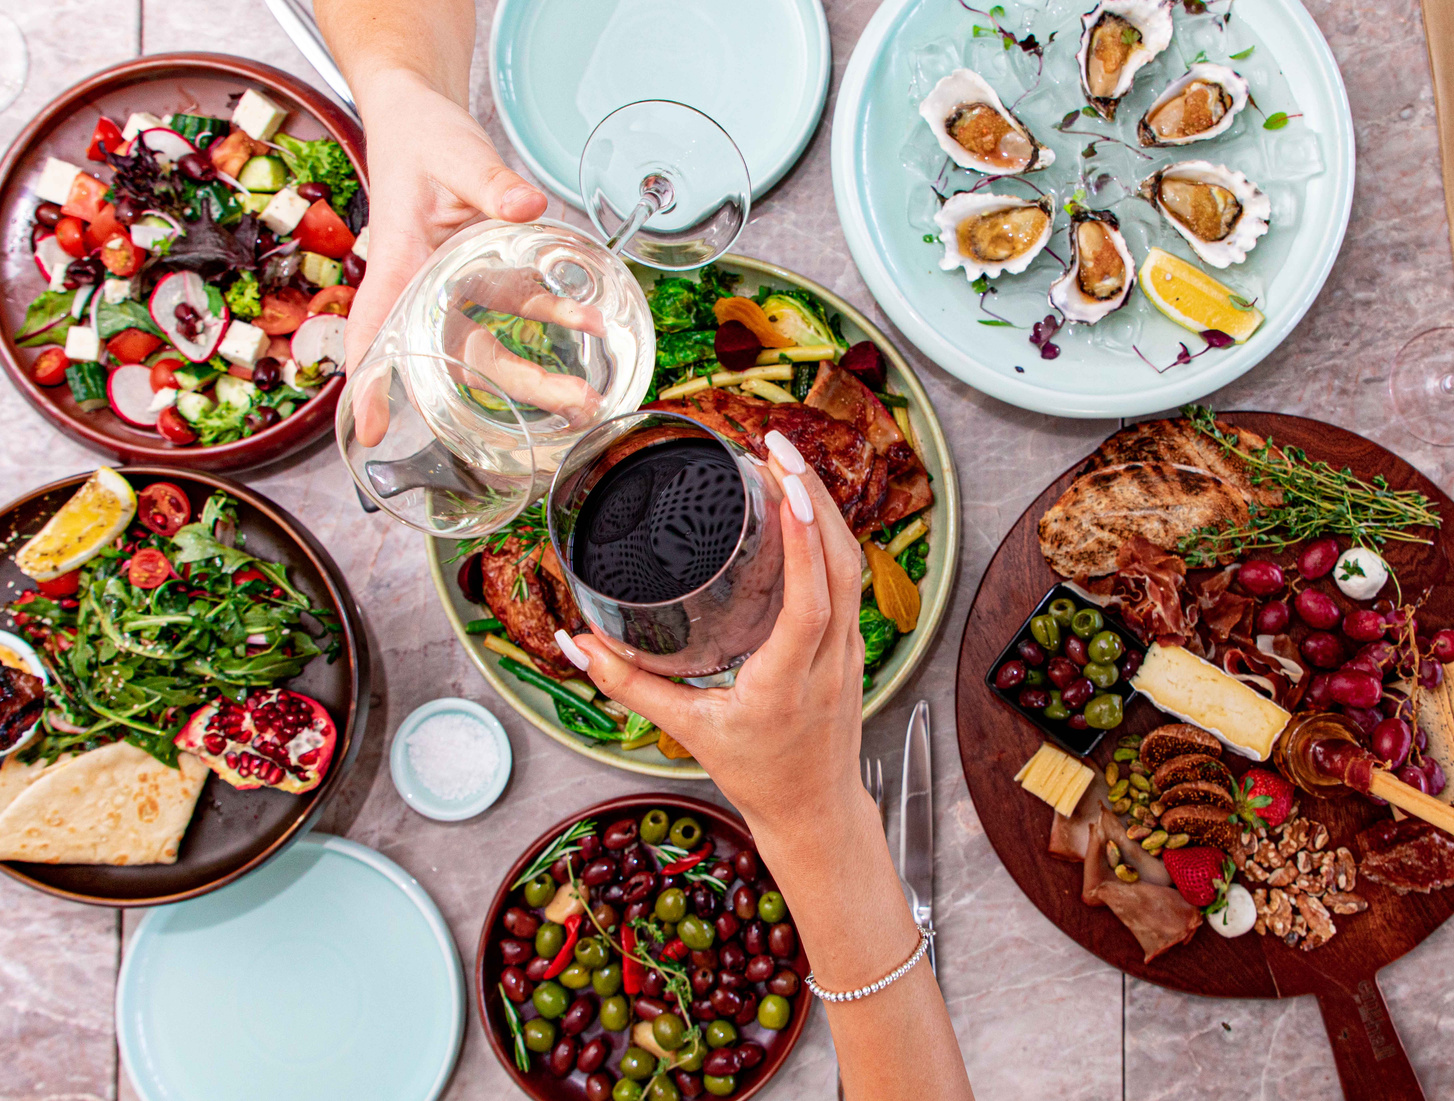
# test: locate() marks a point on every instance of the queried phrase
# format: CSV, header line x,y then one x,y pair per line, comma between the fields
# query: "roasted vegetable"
x,y
801,318
879,634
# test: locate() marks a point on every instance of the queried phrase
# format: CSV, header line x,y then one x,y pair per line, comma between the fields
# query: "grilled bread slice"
x,y
1202,793
1191,766
1161,502
1174,740
1177,441
1205,825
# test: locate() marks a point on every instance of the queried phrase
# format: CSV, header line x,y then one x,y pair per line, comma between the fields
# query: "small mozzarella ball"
x,y
1360,573
1238,916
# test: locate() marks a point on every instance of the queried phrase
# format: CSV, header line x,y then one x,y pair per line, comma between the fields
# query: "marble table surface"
x,y
1037,1017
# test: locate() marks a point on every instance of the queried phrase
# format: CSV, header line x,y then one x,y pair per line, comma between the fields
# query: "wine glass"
x,y
669,538
1421,386
14,61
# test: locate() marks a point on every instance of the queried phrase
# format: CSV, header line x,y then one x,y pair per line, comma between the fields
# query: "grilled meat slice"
x,y
1176,441
531,603
1081,533
1408,856
22,696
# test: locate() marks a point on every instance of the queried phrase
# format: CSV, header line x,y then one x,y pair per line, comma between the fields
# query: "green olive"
x,y
654,826
607,980
576,977
691,1057
721,1034
696,933
626,1090
1036,678
1062,610
671,904
591,953
1104,712
540,890
549,940
1056,708
539,1034
773,1012
686,832
771,907
550,999
1100,674
637,1063
669,1031
615,1013
1087,622
1045,631
1106,647
724,1086
663,1088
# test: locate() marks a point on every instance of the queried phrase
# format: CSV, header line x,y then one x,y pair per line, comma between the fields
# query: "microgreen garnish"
x,y
981,286
1074,202
1065,127
564,845
1214,338
1199,59
1237,302
1243,55
1351,569
517,1034
1029,44
930,238
1275,121
1041,334
1222,883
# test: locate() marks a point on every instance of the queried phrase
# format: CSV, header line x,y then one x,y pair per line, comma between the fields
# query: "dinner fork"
x,y
873,780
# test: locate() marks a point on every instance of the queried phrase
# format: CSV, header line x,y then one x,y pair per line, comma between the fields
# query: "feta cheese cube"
x,y
116,290
149,237
243,344
284,211
56,178
258,116
361,244
141,120
164,397
82,343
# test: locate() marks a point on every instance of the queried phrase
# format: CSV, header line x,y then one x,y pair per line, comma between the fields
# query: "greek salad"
x,y
201,291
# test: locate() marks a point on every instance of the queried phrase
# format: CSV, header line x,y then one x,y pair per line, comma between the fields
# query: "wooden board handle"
x,y
1388,786
1372,1063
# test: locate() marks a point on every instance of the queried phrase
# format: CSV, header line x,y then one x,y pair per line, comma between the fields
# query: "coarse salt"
x,y
452,754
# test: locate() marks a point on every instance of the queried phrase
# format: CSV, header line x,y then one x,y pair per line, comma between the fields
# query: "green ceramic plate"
x,y
936,588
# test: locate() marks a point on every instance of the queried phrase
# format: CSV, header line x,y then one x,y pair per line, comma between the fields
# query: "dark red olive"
x,y
727,926
649,1008
562,1057
703,979
690,1084
754,938
605,915
354,269
746,864
197,167
1077,693
723,870
1062,671
759,969
127,211
653,983
751,1053
640,886
267,374
598,1086
782,941
744,902
702,1010
536,968
1130,663
314,190
1078,721
748,1013
732,980
786,982
48,214
638,909
726,1002
722,1062
517,987
593,1055
620,834
635,860
83,272
521,923
514,952
1036,699
1010,675
705,957
615,894
1030,652
703,900
562,869
579,1016
264,417
591,847
598,872
1076,650
732,956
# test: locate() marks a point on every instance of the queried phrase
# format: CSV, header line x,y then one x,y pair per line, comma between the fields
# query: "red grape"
x,y
1354,688
1415,778
1317,698
1398,617
1363,625
1318,558
1391,741
1364,718
1010,675
1435,773
1421,739
1260,577
1431,673
1272,619
1443,643
1061,671
1317,609
1323,650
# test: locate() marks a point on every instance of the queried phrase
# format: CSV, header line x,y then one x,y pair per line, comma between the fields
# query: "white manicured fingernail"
x,y
787,456
798,499
569,648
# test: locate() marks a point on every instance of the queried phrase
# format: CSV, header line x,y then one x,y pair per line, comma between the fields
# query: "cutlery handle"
x,y
1372,1062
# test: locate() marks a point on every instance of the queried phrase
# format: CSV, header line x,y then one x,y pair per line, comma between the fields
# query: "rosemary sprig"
x,y
512,1018
531,526
1317,501
564,845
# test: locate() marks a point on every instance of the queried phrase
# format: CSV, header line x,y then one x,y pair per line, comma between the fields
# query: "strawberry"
x,y
1201,874
1263,798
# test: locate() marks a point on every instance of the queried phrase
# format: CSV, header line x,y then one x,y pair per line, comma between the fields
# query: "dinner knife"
x,y
916,821
299,25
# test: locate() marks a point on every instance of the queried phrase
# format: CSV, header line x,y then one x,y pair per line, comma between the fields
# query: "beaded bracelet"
x,y
925,936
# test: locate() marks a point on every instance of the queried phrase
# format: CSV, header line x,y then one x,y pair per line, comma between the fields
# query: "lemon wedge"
x,y
96,514
1193,299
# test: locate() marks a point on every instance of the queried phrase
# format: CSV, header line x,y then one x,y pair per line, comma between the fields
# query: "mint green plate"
x,y
328,974
759,68
886,164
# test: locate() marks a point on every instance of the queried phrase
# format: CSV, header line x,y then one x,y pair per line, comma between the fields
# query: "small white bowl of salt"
x,y
451,759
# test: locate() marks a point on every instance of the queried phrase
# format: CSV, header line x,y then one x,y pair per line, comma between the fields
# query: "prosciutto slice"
x,y
1158,917
1146,590
1408,856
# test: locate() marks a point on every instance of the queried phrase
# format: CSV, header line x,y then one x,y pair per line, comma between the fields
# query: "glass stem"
x,y
656,194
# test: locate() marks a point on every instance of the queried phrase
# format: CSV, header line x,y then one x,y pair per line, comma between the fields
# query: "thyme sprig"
x,y
564,845
1317,501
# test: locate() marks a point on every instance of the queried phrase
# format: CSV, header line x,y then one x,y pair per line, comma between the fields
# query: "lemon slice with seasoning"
x,y
1193,299
96,514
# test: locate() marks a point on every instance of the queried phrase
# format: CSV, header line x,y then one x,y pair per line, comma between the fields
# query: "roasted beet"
x,y
735,346
866,363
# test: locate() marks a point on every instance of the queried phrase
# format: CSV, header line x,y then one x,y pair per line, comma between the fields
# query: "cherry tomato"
x,y
164,508
87,197
149,568
102,228
242,577
121,257
163,374
279,348
173,427
337,299
107,134
132,345
50,367
324,232
64,585
71,236
282,311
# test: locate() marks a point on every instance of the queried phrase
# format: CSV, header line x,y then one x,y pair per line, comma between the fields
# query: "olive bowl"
x,y
731,835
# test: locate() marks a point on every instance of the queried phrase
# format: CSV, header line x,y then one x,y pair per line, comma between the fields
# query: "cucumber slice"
x,y
263,174
194,376
87,380
236,392
200,130
192,404
320,270
254,202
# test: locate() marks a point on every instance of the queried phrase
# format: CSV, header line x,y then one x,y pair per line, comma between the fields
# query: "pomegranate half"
x,y
274,738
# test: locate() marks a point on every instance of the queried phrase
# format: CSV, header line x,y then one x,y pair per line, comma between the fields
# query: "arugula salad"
x,y
198,271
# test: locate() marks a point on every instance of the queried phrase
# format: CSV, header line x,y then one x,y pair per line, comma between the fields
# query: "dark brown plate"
x,y
232,832
161,84
731,835
994,742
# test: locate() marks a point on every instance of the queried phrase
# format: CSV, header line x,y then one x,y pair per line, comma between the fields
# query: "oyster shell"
x,y
1101,273
977,131
1220,212
993,234
1199,105
1117,38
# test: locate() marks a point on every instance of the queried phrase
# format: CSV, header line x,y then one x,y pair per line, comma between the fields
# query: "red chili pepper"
x,y
675,949
563,957
691,860
633,971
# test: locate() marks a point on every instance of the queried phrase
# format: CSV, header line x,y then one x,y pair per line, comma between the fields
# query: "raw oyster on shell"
x,y
978,131
992,235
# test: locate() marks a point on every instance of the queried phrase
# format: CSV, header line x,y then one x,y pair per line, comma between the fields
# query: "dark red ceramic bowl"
x,y
232,832
161,84
730,836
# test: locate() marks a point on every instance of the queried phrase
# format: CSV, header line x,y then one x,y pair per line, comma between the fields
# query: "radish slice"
x,y
318,339
50,257
168,145
188,287
129,389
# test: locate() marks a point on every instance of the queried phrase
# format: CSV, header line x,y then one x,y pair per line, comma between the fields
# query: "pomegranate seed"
x,y
214,743
231,760
274,774
309,758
